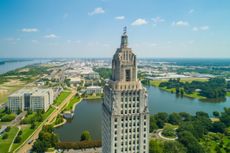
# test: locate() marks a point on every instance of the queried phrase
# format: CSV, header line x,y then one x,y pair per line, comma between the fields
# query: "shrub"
x,y
5,136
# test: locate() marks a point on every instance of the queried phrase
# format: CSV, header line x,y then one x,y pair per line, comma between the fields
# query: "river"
x,y
88,113
8,66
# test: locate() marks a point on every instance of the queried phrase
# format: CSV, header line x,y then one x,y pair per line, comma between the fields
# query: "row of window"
x,y
130,99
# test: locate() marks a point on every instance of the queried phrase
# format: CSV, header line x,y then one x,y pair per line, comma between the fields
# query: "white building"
x,y
34,99
125,119
94,90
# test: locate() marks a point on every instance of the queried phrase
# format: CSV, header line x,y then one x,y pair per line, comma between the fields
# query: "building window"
x,y
127,75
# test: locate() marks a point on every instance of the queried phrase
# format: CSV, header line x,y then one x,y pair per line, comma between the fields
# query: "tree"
x,y
174,118
225,116
177,90
185,116
5,136
39,147
155,146
216,114
7,128
190,142
174,147
17,139
218,127
85,136
153,125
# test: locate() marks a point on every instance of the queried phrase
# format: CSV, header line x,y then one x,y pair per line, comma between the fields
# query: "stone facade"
x,y
125,118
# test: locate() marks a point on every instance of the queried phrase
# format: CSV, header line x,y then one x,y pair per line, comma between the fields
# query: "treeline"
x,y
105,73
213,88
79,145
191,130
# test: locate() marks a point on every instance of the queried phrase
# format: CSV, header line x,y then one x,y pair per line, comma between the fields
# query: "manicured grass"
x,y
228,94
5,144
49,111
74,100
93,97
26,132
61,97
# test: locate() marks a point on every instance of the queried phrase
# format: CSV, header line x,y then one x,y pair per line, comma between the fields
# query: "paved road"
x,y
26,146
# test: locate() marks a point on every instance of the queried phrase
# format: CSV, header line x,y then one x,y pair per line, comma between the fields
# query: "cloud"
x,y
139,22
51,36
120,17
158,20
97,10
29,30
202,28
180,23
191,11
35,41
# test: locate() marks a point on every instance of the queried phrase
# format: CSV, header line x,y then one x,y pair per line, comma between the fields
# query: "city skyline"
x,y
163,29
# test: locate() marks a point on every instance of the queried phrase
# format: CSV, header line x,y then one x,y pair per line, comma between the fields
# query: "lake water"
x,y
88,113
8,66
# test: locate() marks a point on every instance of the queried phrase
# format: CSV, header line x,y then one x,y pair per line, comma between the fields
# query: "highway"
x,y
26,147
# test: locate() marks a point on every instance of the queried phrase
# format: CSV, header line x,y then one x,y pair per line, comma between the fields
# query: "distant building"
x,y
34,99
125,117
91,75
94,90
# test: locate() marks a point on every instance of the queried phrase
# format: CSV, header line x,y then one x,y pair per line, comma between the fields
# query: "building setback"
x,y
125,118
33,99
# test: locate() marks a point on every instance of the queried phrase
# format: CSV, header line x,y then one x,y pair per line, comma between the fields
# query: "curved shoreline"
x,y
60,124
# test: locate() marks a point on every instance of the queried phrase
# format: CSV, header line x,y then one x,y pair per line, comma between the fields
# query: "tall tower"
x,y
125,119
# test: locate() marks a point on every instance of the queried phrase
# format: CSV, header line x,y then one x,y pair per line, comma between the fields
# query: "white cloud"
x,y
180,23
97,10
195,28
158,20
202,28
29,30
120,17
35,41
139,22
51,36
191,11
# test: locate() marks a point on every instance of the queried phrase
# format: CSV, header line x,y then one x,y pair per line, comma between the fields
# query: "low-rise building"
x,y
33,99
94,90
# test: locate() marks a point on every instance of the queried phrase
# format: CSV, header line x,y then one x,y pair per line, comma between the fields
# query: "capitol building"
x,y
125,118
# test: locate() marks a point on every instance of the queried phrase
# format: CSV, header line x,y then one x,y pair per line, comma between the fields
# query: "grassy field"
x,y
74,100
228,94
26,132
61,97
5,144
196,95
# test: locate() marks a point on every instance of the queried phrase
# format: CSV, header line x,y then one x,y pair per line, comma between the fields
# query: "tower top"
x,y
124,38
125,30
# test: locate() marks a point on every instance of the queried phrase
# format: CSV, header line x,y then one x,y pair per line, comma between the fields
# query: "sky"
x,y
92,28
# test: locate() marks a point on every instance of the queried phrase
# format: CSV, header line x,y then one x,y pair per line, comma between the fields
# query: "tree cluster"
x,y
213,88
46,139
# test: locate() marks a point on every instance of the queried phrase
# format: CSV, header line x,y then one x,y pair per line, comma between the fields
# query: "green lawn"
x,y
61,97
228,94
26,132
74,100
99,96
5,144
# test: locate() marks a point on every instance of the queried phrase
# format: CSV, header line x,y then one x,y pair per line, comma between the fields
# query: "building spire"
x,y
124,38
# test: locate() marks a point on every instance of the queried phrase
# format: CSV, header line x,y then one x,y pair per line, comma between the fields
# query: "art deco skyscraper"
x,y
125,119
